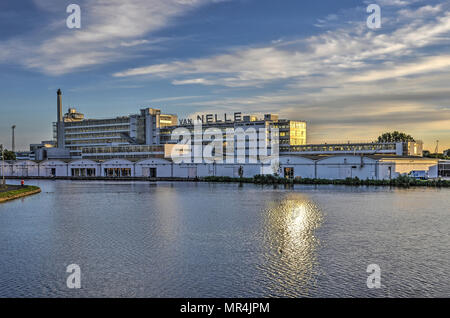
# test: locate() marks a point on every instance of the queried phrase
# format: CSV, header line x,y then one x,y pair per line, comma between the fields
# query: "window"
x,y
289,172
125,172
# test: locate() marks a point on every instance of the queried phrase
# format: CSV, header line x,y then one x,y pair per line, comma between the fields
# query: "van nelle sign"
x,y
212,118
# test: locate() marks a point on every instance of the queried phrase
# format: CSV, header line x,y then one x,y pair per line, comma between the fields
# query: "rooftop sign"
x,y
212,118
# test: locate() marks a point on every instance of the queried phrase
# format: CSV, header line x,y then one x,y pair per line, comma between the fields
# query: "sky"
x,y
316,61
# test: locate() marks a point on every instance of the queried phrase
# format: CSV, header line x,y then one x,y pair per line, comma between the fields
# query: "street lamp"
x,y
13,144
3,165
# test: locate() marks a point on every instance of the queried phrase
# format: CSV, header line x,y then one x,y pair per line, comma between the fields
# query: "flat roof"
x,y
388,156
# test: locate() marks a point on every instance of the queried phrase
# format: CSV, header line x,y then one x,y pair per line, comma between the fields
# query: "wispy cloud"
x,y
342,52
111,30
348,81
422,66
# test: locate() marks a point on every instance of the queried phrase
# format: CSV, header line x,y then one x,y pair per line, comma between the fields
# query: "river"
x,y
142,239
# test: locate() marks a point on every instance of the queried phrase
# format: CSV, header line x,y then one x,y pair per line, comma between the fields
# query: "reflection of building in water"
x,y
291,224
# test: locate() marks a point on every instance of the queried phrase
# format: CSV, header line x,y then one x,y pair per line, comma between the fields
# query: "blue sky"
x,y
307,60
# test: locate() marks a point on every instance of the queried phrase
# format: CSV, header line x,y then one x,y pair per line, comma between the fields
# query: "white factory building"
x,y
141,146
376,167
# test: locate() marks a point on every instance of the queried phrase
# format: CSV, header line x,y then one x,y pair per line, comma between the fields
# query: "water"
x,y
136,239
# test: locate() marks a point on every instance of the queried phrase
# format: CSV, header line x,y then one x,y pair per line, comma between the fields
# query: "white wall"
x,y
46,166
303,167
250,170
341,167
205,170
406,165
225,170
163,167
185,170
336,167
25,168
384,173
433,172
5,168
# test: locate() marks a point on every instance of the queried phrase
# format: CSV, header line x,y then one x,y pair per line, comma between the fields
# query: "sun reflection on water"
x,y
291,224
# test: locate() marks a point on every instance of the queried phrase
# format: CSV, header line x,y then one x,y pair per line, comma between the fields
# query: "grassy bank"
x,y
402,181
13,192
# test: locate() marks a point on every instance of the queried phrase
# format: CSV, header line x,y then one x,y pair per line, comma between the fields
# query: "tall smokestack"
x,y
59,102
60,122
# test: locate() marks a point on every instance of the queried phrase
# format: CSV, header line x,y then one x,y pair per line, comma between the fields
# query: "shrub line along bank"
x,y
401,181
18,193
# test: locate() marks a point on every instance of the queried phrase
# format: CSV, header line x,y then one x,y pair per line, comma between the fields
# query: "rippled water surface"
x,y
224,240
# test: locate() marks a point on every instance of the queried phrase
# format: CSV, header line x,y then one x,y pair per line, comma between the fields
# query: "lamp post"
x,y
3,165
13,146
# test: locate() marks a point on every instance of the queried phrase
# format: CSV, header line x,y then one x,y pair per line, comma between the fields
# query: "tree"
x,y
395,137
9,155
275,167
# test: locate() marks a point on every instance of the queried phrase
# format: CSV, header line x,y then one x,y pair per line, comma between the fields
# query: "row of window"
x,y
344,148
128,149
95,141
96,122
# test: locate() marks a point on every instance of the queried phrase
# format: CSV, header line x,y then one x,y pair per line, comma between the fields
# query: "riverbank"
x,y
403,181
11,192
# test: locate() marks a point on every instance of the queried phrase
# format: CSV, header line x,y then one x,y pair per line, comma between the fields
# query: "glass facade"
x,y
118,172
129,151
290,132
444,169
88,136
128,136
341,148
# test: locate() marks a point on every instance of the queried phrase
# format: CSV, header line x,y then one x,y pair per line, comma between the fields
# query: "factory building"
x,y
150,134
145,134
75,135
141,145
410,148
84,135
290,132
375,167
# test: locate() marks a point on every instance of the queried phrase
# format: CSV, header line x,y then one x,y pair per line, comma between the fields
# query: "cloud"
x,y
349,83
346,80
340,53
425,65
111,30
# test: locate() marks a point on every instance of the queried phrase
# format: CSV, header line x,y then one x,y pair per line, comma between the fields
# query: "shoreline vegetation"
x,y
9,192
402,181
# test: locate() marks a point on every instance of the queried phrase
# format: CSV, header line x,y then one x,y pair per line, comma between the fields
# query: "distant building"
x,y
25,155
149,134
90,135
373,167
444,168
72,115
389,148
291,132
